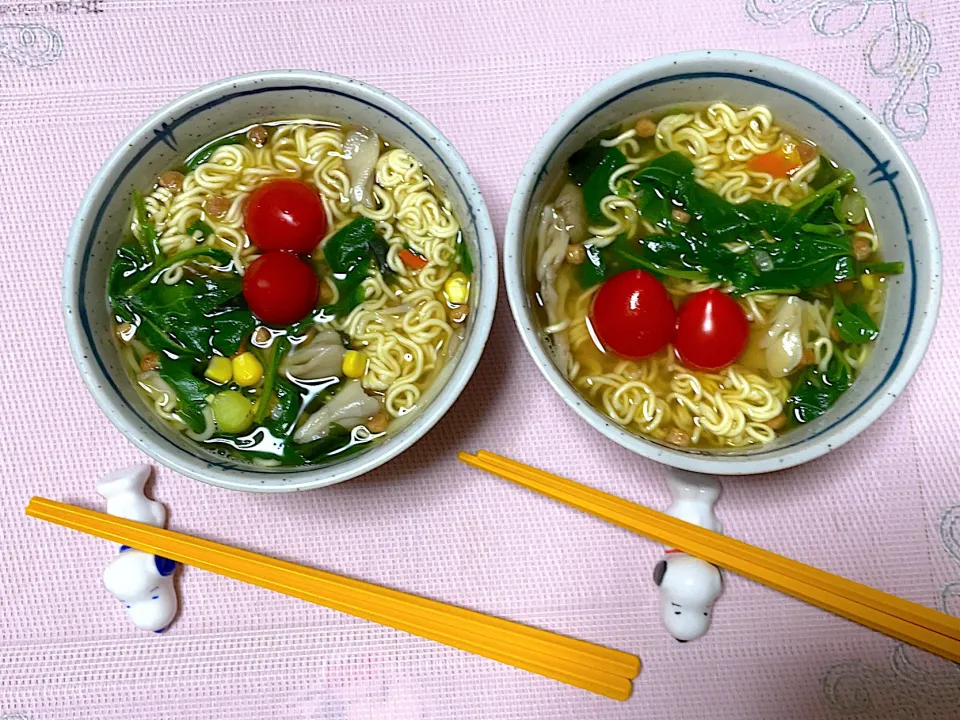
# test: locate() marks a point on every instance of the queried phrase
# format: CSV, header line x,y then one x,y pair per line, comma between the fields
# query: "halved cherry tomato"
x,y
633,315
412,260
712,331
286,215
280,288
779,163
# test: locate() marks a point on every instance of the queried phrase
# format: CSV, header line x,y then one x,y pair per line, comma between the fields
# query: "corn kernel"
x,y
247,370
457,289
354,364
219,370
869,282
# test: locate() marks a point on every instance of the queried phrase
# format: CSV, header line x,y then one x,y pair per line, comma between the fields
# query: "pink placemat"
x,y
77,76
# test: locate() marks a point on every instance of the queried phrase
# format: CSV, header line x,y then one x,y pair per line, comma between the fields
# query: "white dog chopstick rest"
x,y
689,586
141,581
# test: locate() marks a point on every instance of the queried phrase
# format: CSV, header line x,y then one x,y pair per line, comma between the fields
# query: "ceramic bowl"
x,y
166,138
852,135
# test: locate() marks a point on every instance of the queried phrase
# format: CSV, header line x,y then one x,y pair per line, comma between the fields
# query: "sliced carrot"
x,y
779,163
412,260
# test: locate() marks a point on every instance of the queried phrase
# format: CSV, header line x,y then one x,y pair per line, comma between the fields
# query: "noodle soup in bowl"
x,y
280,281
723,262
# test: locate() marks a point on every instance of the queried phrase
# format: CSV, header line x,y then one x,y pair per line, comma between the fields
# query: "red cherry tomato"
x,y
286,215
712,331
280,288
633,315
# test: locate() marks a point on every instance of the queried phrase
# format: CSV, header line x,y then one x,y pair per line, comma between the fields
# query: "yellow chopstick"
x,y
576,651
912,623
919,614
575,662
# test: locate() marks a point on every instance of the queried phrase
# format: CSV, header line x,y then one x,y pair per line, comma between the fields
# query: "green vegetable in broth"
x,y
281,346
203,154
284,411
883,268
350,253
146,230
192,392
150,272
338,442
584,161
463,255
816,392
853,323
195,316
597,185
354,245
200,226
788,249
232,411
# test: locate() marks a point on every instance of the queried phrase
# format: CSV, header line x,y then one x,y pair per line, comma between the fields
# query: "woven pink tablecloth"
x,y
77,76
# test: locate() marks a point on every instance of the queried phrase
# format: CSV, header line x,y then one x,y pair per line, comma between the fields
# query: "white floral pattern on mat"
x,y
30,45
358,688
898,51
917,684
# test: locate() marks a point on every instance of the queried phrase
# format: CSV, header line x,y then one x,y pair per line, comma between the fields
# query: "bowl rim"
x,y
100,384
727,63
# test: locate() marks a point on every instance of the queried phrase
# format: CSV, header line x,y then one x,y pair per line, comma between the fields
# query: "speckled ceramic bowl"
x,y
852,135
167,137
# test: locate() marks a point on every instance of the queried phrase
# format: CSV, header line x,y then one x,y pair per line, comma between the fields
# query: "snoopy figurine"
x,y
142,582
689,586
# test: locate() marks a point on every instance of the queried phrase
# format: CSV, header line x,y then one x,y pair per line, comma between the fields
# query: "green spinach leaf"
x,y
815,392
593,270
191,391
195,316
201,227
884,268
349,254
146,230
351,245
129,263
230,326
144,279
853,322
788,249
463,255
286,408
280,348
826,174
202,154
198,293
337,442
597,186
585,160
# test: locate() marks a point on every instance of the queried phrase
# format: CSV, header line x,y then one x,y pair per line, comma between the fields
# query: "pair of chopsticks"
x,y
582,664
914,624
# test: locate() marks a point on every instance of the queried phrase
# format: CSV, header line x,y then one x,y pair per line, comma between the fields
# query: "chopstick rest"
x,y
688,585
142,582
